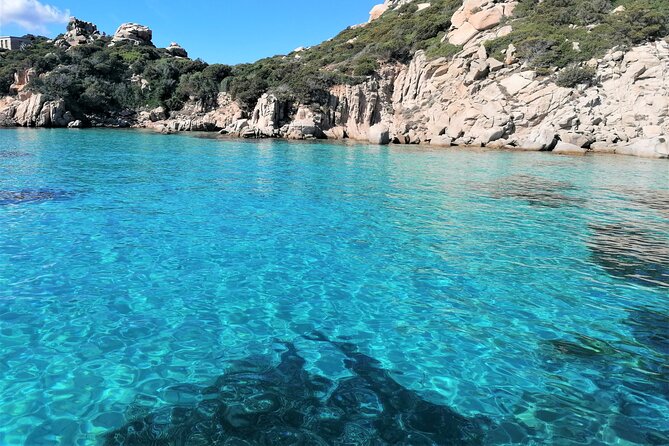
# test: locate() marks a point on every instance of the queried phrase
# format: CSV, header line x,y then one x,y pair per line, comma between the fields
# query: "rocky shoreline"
x,y
470,99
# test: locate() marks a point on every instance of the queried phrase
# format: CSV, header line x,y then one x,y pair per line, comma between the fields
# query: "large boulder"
x,y
27,112
133,33
462,35
379,134
540,139
157,114
647,148
176,50
268,115
487,18
565,148
377,11
54,114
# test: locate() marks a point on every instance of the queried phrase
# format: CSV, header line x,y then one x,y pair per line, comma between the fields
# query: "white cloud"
x,y
31,15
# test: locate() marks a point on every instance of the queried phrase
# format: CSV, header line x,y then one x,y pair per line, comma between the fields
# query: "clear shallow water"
x,y
525,288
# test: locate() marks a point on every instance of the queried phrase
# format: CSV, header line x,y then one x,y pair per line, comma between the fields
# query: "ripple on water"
x,y
184,255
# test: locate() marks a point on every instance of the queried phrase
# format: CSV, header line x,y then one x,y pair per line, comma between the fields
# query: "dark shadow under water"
x,y
13,154
631,251
628,382
536,191
9,197
287,405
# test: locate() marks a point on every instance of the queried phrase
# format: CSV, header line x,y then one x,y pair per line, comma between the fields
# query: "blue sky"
x,y
226,31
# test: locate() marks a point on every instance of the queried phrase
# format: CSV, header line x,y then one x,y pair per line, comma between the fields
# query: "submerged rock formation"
x,y
634,251
286,404
8,197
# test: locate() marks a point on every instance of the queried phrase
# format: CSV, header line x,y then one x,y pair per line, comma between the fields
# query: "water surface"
x,y
525,290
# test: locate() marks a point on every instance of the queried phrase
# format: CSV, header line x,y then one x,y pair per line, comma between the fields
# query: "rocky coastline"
x,y
469,99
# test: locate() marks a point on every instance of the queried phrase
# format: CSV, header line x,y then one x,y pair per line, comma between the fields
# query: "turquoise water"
x,y
526,289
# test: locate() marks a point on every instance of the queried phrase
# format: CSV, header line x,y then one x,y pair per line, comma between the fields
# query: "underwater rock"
x,y
536,191
651,328
657,200
631,251
8,197
584,347
12,154
286,405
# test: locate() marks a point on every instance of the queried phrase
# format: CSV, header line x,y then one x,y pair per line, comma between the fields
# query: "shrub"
x,y
543,31
349,57
365,66
439,49
572,76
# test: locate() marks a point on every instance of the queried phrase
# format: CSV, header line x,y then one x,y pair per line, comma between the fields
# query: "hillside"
x,y
541,75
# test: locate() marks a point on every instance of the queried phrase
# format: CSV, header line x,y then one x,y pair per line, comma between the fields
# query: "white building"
x,y
12,43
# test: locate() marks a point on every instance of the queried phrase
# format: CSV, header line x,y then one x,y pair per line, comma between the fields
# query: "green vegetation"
x,y
350,57
96,78
11,61
575,75
544,32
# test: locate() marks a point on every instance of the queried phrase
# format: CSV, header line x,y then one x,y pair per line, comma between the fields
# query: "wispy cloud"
x,y
31,15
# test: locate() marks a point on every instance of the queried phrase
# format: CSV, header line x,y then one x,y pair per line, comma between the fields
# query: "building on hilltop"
x,y
13,43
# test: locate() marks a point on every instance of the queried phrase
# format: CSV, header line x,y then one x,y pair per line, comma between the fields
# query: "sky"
x,y
224,31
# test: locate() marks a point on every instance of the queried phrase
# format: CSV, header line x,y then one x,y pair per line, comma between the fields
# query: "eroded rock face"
x,y
133,33
377,11
21,80
474,99
35,111
469,99
307,124
268,115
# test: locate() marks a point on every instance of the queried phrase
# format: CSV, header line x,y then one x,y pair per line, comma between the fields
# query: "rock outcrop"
x,y
470,99
21,80
378,10
133,33
35,111
176,50
475,100
475,16
78,32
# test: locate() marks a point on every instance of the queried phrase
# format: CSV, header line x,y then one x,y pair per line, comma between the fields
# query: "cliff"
x,y
471,79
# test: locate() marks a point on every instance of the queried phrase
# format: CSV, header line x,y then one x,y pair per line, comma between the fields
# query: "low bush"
x,y
572,76
544,32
